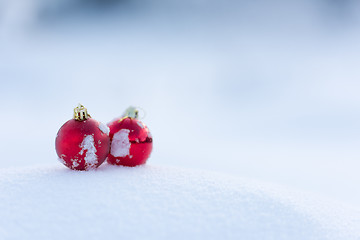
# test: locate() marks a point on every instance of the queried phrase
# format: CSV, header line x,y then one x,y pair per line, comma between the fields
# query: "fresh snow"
x,y
293,94
151,202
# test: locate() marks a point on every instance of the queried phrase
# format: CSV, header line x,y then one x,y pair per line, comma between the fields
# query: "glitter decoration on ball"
x,y
82,143
131,141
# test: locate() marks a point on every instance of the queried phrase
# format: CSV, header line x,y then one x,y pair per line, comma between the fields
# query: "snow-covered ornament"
x,y
131,141
82,143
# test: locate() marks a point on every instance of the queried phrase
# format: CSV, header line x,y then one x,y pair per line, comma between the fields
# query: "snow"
x,y
62,160
285,72
74,163
105,129
120,144
88,145
153,202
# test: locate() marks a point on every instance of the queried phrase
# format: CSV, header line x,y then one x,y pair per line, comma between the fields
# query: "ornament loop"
x,y
131,112
80,113
143,113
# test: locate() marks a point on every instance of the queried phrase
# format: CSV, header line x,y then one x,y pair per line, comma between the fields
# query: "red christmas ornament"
x,y
82,143
131,141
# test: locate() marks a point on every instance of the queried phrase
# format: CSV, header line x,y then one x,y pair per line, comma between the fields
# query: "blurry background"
x,y
261,89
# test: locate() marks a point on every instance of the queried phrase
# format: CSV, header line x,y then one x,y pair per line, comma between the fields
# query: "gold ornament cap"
x,y
80,113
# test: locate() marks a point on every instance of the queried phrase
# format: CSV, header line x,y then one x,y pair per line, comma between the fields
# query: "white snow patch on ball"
x,y
75,164
105,129
120,145
88,144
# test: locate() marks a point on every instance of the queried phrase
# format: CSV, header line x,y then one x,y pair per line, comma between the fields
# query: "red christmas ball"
x,y
82,143
131,141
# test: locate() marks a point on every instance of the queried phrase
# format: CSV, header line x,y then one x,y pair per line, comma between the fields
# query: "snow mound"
x,y
151,202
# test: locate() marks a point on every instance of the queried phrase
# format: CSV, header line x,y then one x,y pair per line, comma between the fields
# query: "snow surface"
x,y
284,73
151,202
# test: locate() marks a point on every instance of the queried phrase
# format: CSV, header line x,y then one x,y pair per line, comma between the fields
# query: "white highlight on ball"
x,y
120,145
140,124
